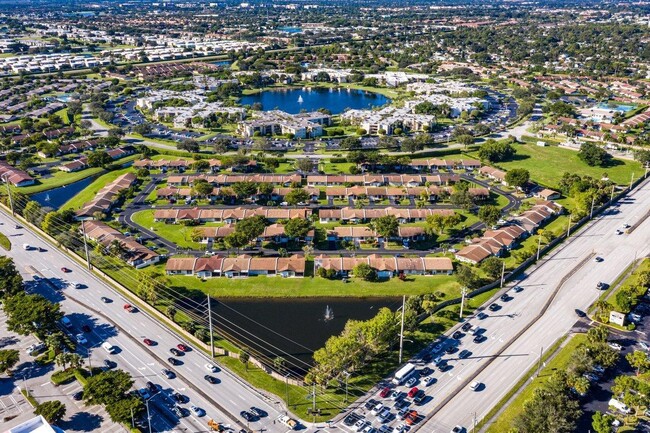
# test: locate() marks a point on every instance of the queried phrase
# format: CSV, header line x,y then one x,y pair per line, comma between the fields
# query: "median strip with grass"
x,y
559,362
5,242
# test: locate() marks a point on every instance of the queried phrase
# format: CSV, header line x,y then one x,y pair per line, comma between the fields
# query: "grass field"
x,y
5,242
176,233
547,164
262,286
89,192
57,179
629,282
504,422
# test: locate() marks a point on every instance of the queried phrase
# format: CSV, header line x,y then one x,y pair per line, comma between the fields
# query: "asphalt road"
x,y
449,399
110,322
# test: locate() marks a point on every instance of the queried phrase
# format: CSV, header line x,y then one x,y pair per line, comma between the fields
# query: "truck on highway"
x,y
403,374
289,422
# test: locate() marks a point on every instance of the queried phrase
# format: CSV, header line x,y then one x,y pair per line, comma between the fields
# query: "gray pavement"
x,y
110,322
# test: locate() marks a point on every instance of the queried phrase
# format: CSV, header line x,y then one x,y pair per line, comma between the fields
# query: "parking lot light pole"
x,y
148,415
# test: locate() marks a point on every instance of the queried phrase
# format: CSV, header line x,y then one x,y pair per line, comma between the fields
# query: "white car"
x,y
615,346
429,380
644,346
395,395
400,428
360,425
212,368
81,339
74,285
197,411
369,429
377,409
474,385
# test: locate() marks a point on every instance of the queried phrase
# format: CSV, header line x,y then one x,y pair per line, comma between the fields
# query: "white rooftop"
x,y
34,425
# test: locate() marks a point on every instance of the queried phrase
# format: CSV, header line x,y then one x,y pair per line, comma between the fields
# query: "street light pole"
x,y
286,388
83,229
11,201
148,415
503,273
463,293
539,246
568,228
210,326
401,332
591,212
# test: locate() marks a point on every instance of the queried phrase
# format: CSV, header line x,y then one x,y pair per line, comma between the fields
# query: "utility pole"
x,y
11,200
631,181
286,388
401,332
591,212
503,273
568,228
83,229
463,293
539,246
132,419
210,326
313,396
611,197
539,363
473,422
90,367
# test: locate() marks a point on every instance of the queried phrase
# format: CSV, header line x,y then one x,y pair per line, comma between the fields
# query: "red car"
x,y
66,270
149,342
384,392
182,347
413,391
130,308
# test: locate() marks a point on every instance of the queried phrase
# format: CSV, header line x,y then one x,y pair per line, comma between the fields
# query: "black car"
x,y
580,313
174,361
418,398
427,357
464,354
425,372
78,395
108,364
602,286
518,289
152,387
494,307
211,379
401,404
180,398
480,338
451,349
176,352
257,411
370,404
247,415
106,300
170,374
457,335
466,327
504,297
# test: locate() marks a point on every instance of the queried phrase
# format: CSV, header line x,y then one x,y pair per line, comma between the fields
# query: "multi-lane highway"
x,y
515,335
111,322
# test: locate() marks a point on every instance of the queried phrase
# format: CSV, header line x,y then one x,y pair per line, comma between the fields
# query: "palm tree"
x,y
75,360
54,341
279,363
62,359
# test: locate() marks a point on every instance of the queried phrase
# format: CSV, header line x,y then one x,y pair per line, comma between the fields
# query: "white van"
x,y
27,247
66,322
622,407
108,347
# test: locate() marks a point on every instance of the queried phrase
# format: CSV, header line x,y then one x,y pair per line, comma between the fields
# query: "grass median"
x,y
559,362
5,242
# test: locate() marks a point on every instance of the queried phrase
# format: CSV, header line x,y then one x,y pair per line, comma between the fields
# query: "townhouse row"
x,y
134,253
105,198
294,266
499,241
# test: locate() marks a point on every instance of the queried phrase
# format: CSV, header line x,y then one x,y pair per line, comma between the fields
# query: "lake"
x,y
296,100
293,328
55,198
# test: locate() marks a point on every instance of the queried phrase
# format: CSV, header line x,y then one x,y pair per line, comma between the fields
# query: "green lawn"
x,y
629,283
315,286
504,422
5,242
176,233
57,179
91,190
547,164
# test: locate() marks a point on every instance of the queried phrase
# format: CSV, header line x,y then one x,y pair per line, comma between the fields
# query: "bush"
x,y
631,327
63,377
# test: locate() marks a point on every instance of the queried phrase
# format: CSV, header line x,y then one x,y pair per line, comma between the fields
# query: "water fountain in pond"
x,y
300,100
47,197
329,314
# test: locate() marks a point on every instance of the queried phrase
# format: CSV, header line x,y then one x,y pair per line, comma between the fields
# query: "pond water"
x,y
290,29
293,328
223,63
295,100
616,107
55,198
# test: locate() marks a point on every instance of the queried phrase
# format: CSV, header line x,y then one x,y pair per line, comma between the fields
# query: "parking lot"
x,y
15,409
